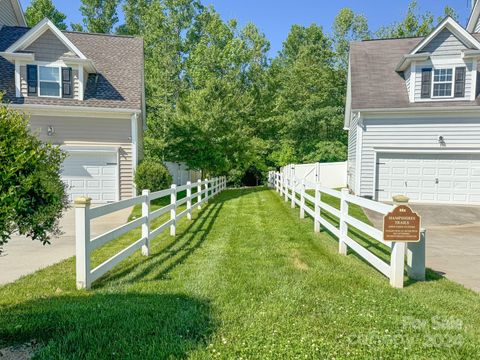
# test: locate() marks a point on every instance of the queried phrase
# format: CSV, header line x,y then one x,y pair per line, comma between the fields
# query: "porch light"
x,y
50,130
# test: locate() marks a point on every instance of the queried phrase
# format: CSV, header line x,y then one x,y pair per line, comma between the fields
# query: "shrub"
x,y
152,175
32,194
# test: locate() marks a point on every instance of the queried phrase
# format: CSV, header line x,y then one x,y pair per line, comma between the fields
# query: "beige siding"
x,y
49,48
93,132
7,14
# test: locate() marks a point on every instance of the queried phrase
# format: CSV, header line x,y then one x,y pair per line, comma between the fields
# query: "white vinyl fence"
x,y
293,190
329,175
84,214
181,174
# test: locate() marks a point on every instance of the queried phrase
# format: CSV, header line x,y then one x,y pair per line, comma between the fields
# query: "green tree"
x,y
134,12
40,9
32,195
214,128
99,16
348,27
414,24
309,96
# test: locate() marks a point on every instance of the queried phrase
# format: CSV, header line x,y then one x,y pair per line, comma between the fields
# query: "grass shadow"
x,y
123,326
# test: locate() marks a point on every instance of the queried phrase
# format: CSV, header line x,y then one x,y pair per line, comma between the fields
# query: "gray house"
x,y
83,92
413,116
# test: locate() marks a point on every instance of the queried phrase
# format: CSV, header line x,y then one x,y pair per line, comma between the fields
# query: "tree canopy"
x,y
215,99
40,9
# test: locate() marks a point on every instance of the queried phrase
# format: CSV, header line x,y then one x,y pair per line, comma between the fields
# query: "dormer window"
x,y
442,83
49,81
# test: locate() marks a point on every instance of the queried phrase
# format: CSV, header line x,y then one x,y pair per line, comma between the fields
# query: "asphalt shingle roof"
x,y
376,84
118,60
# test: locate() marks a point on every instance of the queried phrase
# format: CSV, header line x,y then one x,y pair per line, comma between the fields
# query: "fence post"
x,y
189,200
318,214
302,199
294,193
146,225
285,182
199,192
82,242
416,258
342,246
397,264
173,211
206,190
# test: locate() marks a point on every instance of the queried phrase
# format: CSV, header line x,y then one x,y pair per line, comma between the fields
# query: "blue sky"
x,y
275,17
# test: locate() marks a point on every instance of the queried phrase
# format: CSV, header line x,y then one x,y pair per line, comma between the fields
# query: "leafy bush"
x,y
327,151
152,175
32,195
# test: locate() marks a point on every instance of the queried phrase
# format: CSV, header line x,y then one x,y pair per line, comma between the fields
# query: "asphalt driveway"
x,y
453,241
23,256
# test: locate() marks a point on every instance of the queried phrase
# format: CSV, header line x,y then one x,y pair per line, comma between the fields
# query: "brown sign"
x,y
402,224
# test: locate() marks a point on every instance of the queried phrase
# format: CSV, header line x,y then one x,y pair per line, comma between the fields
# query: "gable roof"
x,y
375,83
118,82
449,26
38,30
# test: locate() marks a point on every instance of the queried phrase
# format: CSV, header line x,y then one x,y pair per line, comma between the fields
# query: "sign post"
x,y
402,227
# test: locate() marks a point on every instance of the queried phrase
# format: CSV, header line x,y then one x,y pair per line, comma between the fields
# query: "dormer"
x,y
443,66
48,64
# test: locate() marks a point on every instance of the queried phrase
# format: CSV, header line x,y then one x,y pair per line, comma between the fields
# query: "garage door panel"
x,y
444,178
91,174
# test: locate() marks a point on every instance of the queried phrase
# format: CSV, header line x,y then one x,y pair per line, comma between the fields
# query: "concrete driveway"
x,y
453,241
23,256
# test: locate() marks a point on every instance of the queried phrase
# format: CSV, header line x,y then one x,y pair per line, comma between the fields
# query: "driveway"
x,y
23,256
453,241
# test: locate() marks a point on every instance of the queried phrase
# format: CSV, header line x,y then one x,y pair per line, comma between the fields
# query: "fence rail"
x,y
84,214
294,190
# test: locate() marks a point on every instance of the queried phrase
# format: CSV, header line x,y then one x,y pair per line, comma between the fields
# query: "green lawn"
x,y
247,279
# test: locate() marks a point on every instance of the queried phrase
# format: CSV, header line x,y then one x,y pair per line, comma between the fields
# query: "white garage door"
x,y
91,174
436,178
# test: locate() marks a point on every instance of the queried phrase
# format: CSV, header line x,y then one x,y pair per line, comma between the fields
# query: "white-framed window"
x,y
443,83
49,81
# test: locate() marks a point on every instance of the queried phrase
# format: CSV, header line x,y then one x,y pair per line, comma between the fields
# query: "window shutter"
x,y
32,80
67,88
426,84
460,75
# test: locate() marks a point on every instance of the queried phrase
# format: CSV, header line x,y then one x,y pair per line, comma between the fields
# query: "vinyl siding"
x,y
7,14
413,133
407,74
49,48
445,43
418,80
93,132
477,27
352,151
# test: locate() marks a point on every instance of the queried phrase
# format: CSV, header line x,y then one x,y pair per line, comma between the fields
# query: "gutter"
x,y
74,110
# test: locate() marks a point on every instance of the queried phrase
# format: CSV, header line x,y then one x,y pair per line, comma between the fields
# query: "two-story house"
x,y
83,92
413,116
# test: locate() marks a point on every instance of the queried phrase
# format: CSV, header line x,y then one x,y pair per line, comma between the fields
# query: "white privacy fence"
x,y
329,175
294,190
181,174
84,214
